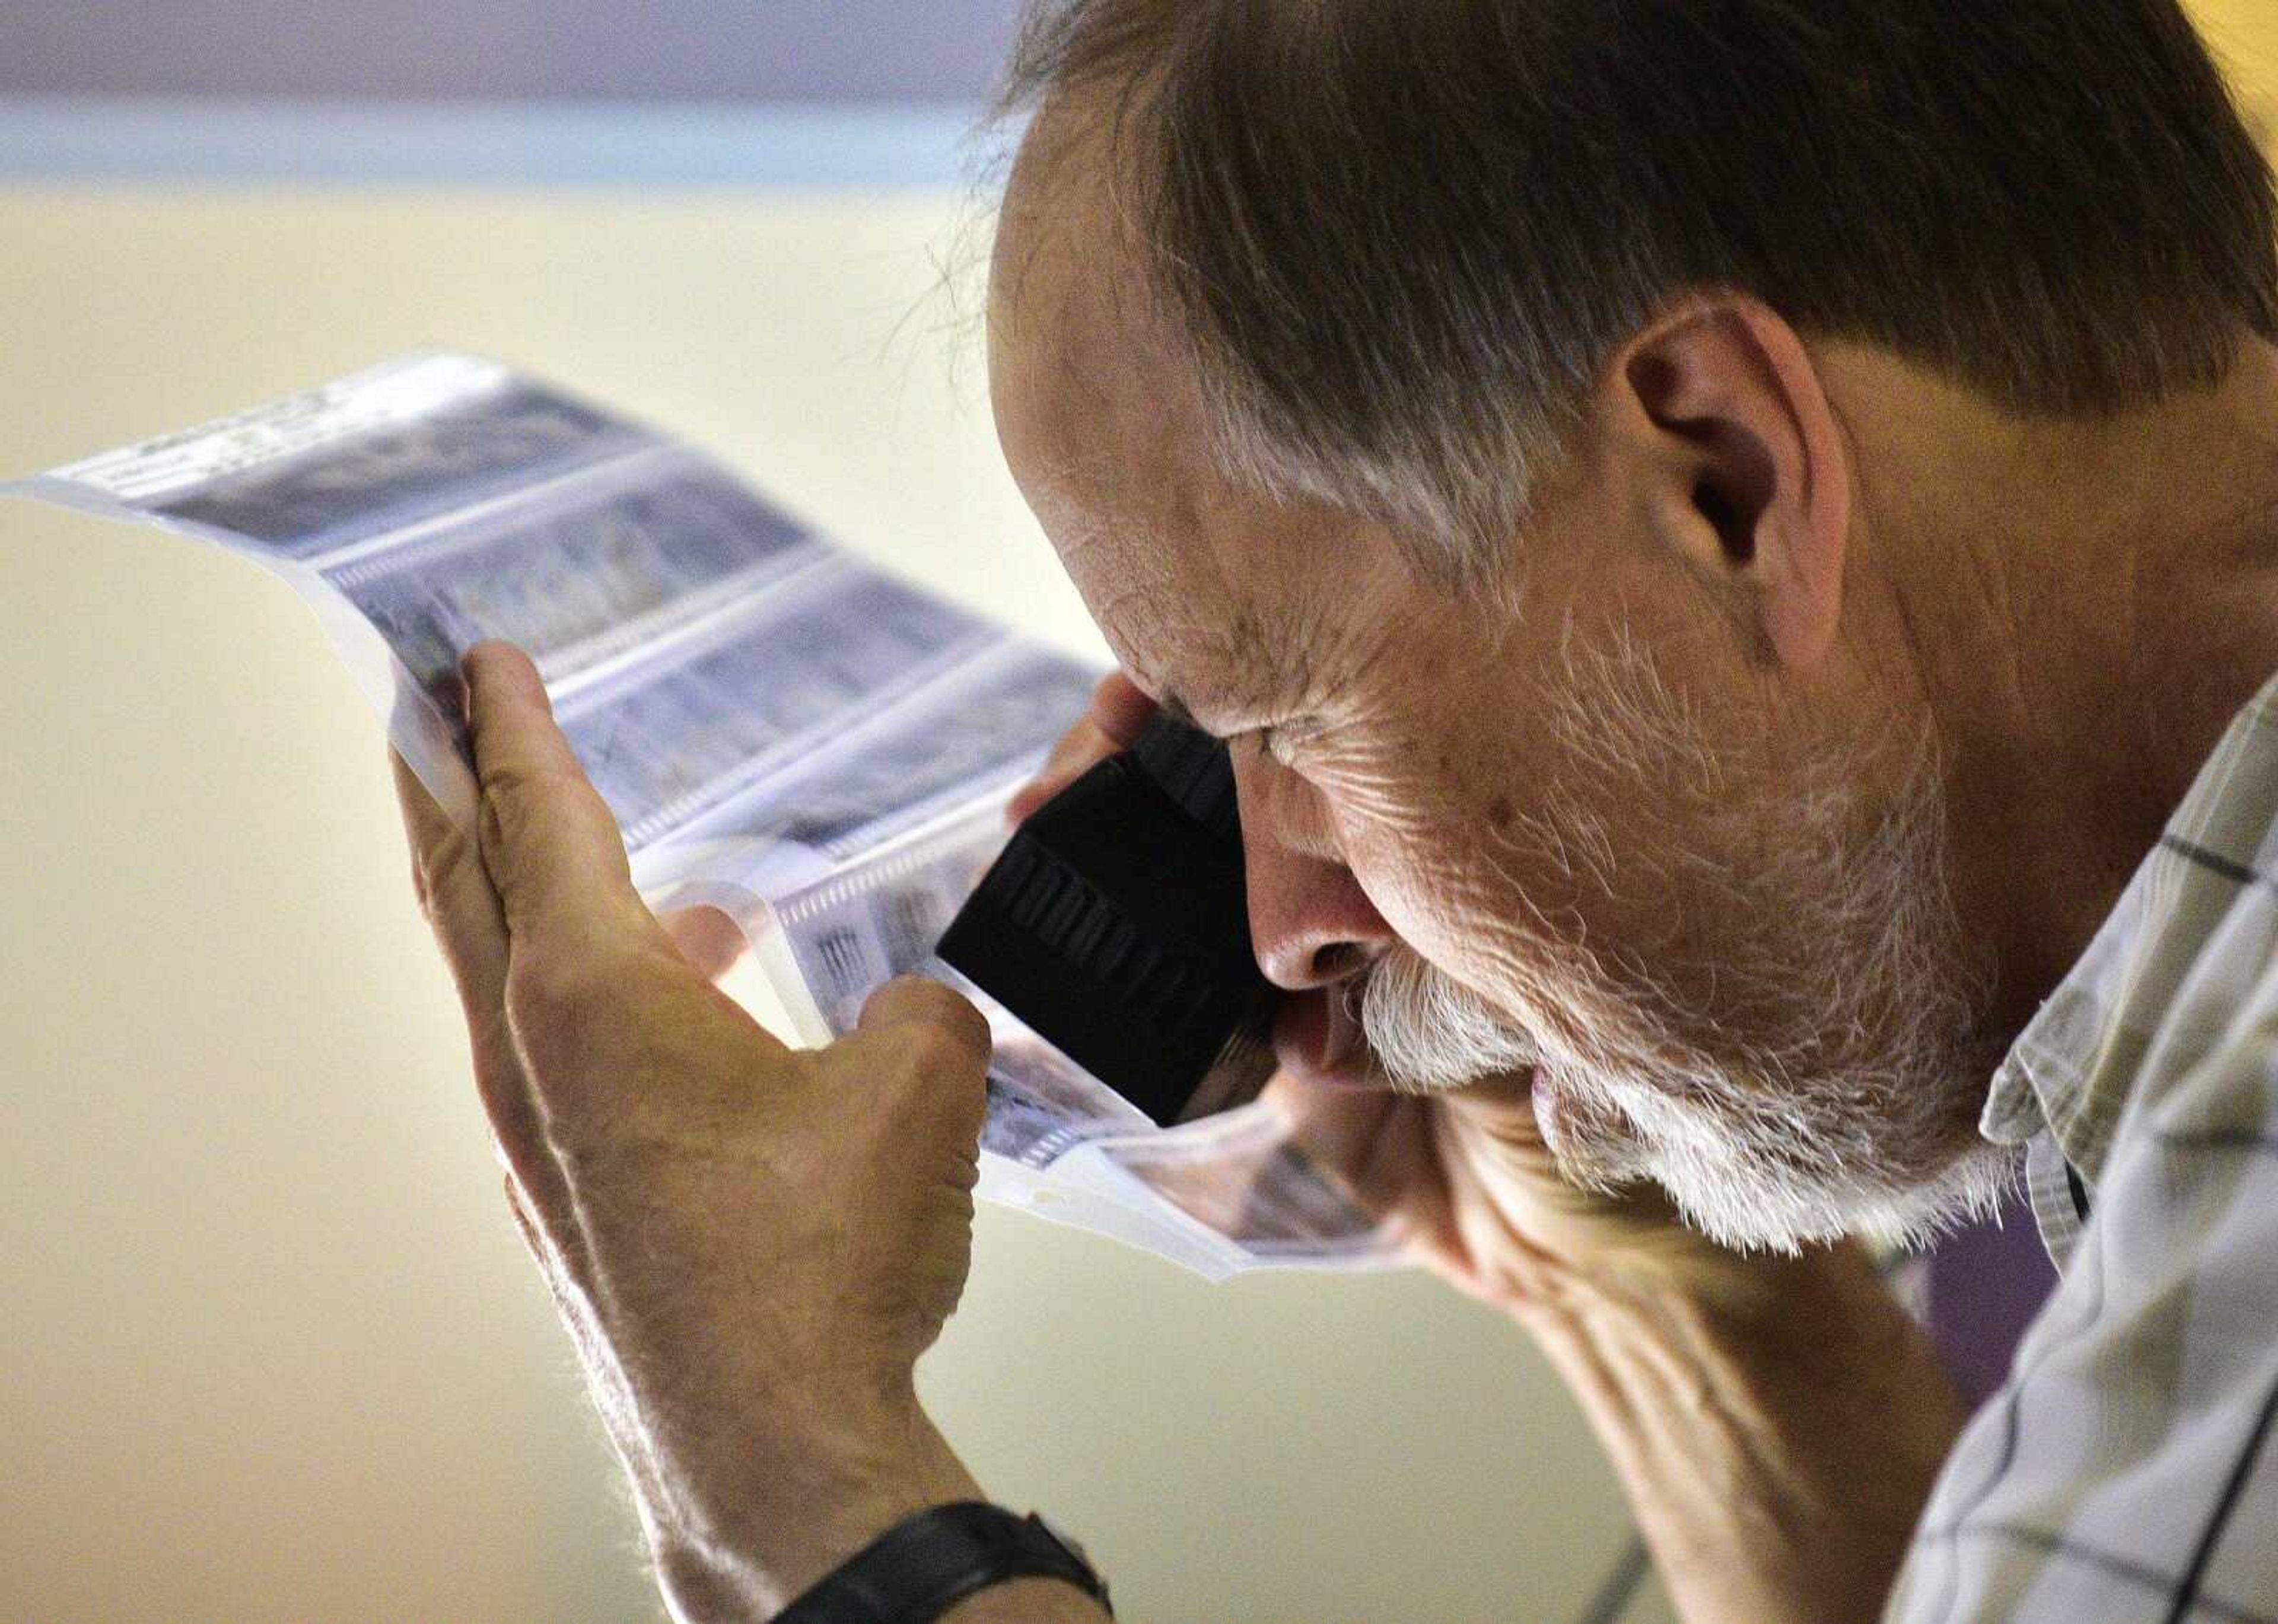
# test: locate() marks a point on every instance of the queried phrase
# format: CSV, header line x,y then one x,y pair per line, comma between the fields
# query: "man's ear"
x,y
1741,464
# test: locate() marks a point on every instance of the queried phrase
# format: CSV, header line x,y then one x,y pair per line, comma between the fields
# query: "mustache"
x,y
1428,1031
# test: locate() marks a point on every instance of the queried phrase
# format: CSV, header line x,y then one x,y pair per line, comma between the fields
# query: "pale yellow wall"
x,y
2244,35
268,1349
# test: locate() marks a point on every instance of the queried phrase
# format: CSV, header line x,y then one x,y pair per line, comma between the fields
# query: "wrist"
x,y
1751,1297
1821,1325
800,1505
1737,1403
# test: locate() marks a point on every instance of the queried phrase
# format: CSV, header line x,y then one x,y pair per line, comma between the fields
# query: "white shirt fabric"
x,y
2126,1470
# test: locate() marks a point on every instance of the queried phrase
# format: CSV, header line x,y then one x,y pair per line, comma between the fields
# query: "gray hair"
x,y
1404,239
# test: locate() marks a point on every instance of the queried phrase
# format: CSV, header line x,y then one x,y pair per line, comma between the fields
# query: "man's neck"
x,y
2089,606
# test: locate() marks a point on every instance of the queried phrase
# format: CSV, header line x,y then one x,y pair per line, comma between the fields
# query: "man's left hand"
x,y
750,1244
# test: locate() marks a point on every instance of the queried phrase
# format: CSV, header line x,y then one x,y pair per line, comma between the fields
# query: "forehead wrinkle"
x,y
1159,599
1159,564
1257,644
1206,649
1331,632
1234,602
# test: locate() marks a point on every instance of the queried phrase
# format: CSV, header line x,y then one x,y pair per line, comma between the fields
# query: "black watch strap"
x,y
925,1564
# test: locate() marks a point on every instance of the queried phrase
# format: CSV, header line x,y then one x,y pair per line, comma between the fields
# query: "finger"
x,y
1501,1109
915,1001
932,1049
1119,710
707,938
1337,1129
1119,713
1080,749
1380,1148
454,892
549,842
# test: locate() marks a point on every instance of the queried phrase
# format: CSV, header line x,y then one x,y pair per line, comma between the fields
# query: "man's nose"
x,y
1310,924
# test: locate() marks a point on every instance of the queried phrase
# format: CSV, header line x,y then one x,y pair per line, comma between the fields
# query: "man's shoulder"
x,y
2125,1462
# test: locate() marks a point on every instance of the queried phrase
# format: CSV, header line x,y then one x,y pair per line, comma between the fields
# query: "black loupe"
x,y
1115,926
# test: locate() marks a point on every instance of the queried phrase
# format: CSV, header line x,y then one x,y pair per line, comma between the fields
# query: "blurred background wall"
x,y
780,50
268,1347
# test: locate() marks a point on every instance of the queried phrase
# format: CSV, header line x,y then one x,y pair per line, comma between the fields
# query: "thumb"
x,y
912,1001
936,1047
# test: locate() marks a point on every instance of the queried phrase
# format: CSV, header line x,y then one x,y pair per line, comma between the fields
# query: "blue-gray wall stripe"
x,y
545,144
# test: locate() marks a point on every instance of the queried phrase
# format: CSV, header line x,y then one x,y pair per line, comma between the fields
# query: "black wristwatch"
x,y
925,1564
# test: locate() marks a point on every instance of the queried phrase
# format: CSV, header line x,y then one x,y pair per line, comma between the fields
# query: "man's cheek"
x,y
1433,905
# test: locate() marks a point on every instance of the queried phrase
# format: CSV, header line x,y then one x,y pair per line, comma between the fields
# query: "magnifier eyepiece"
x,y
1116,925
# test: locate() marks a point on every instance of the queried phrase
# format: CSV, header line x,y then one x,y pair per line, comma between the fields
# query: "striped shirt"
x,y
2125,1470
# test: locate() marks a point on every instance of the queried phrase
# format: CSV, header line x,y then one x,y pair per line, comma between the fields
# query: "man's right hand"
x,y
1465,1182
1736,1395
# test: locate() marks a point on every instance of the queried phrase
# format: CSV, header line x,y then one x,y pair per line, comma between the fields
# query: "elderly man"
x,y
1729,541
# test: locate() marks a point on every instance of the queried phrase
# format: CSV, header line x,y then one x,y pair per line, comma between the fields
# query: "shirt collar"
x,y
2062,1087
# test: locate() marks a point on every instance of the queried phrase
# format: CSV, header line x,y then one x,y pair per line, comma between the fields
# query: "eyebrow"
x,y
1289,677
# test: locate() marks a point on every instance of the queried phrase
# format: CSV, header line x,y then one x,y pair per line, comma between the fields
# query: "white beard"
x,y
1832,1086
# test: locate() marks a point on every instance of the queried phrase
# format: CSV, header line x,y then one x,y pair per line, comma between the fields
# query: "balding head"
x,y
1446,407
